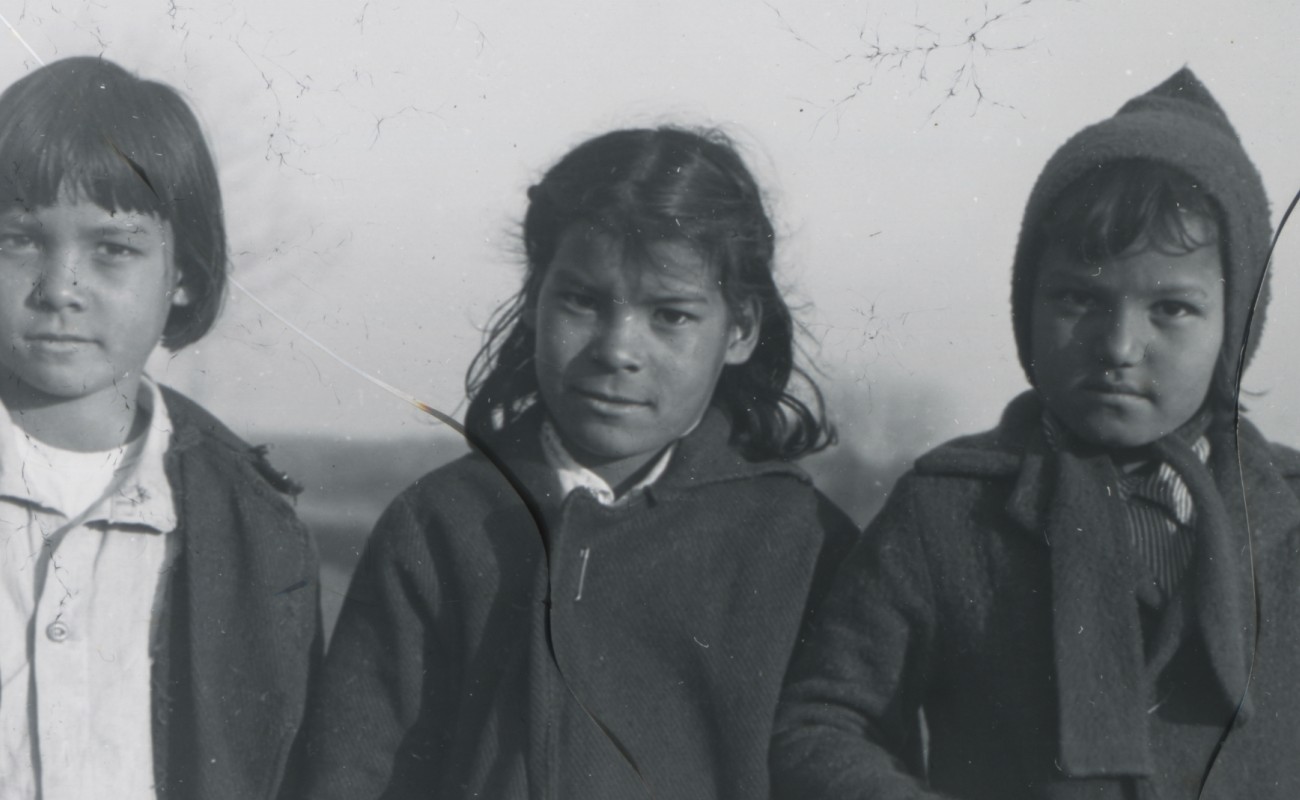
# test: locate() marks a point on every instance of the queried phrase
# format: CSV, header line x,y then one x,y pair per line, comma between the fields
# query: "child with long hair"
x,y
150,649
600,602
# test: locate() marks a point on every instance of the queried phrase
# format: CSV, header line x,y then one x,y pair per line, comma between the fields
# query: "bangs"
x,y
669,252
77,167
646,248
95,143
1129,206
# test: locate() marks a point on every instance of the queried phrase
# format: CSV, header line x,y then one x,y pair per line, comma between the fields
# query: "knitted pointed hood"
x,y
1178,124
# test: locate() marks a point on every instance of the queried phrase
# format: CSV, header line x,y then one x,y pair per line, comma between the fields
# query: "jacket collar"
x,y
705,456
1018,450
574,476
701,458
1015,450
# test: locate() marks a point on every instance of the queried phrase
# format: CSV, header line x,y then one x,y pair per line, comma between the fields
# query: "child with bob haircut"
x,y
150,647
601,601
1099,597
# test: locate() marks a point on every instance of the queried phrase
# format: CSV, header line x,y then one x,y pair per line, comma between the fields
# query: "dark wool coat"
x,y
241,627
655,673
949,605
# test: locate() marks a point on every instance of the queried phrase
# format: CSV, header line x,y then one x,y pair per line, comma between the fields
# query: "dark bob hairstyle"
x,y
87,126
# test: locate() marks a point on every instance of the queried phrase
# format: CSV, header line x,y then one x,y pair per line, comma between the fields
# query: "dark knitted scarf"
x,y
1105,674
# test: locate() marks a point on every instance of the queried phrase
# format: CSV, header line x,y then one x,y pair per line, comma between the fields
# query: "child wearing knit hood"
x,y
1076,603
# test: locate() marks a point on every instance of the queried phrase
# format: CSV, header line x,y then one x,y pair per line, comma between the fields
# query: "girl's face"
x,y
629,351
1124,350
84,295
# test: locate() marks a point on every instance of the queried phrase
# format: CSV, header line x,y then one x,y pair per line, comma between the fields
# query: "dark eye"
x,y
116,250
578,301
1076,300
673,316
1173,309
16,243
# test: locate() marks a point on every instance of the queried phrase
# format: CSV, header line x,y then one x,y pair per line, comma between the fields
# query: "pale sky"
x,y
374,158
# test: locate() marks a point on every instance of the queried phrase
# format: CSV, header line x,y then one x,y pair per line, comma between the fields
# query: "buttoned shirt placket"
x,y
76,688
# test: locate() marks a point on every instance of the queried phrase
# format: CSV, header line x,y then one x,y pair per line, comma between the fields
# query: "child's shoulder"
x,y
213,472
197,433
473,479
1285,460
473,509
707,459
505,472
995,453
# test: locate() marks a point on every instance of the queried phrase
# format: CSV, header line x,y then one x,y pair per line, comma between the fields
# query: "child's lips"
x,y
58,342
1112,388
608,401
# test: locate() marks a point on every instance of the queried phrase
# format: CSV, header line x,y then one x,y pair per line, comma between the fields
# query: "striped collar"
x,y
1153,481
1163,486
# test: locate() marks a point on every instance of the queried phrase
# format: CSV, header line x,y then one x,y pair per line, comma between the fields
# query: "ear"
x,y
743,337
180,296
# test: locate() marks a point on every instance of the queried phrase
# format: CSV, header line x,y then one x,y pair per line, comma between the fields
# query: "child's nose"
x,y
1123,339
618,345
59,283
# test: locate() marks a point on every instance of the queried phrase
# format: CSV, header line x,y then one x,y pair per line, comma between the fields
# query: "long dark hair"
x,y
647,186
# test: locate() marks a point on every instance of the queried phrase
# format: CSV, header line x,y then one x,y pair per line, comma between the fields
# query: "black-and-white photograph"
x,y
681,400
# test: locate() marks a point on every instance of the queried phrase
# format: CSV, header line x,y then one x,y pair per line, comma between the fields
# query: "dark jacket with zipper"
x,y
500,641
957,603
240,629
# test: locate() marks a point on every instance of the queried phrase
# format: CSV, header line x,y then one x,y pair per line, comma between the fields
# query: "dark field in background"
x,y
349,482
